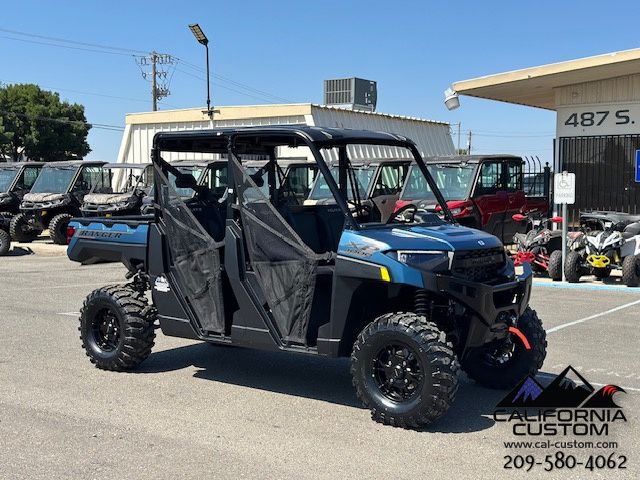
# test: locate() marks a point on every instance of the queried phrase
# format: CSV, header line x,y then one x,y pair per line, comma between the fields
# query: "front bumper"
x,y
492,306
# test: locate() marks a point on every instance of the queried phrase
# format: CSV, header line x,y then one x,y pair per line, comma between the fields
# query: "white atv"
x,y
610,241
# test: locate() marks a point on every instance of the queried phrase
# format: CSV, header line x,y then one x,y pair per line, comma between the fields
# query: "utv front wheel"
x,y
117,328
502,365
555,265
5,243
58,228
573,267
631,271
404,370
21,231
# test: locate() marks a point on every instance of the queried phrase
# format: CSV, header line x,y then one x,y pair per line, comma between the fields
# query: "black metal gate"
x,y
605,172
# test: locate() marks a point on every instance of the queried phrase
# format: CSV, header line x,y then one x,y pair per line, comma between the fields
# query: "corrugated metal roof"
x,y
432,137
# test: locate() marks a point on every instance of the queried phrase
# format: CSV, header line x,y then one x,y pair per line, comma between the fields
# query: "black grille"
x,y
478,265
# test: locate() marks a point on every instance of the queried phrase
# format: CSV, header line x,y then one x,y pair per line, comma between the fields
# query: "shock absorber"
x,y
421,302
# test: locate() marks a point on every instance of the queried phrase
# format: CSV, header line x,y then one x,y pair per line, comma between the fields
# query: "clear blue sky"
x,y
414,49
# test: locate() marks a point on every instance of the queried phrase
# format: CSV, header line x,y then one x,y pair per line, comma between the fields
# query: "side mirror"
x,y
556,219
186,181
518,217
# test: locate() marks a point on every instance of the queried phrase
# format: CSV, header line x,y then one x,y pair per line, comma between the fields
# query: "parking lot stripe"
x,y
69,314
591,317
584,286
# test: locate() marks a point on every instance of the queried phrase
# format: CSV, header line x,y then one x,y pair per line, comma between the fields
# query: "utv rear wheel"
x,y
573,267
631,271
21,231
5,243
58,228
555,265
117,328
502,365
404,370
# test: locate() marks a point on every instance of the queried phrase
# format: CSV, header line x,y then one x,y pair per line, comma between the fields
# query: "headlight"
x,y
456,211
425,259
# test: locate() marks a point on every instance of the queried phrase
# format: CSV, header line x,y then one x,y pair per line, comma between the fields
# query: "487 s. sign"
x,y
601,119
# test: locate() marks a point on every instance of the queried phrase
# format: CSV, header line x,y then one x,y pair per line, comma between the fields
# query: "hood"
x,y
43,197
107,198
444,237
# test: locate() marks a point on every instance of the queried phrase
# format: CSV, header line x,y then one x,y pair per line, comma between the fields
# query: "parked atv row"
x,y
605,241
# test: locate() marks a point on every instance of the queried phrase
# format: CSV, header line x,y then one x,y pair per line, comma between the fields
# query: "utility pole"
x,y
469,144
154,85
159,76
459,124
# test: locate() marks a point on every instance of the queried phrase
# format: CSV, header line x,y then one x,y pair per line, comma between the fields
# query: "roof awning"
x,y
535,86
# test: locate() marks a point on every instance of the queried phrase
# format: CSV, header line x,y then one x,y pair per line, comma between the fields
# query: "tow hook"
x,y
521,336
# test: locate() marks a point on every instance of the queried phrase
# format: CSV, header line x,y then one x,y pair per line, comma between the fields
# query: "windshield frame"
x,y
75,169
468,190
12,181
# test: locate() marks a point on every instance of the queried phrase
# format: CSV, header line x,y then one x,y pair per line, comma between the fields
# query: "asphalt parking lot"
x,y
197,411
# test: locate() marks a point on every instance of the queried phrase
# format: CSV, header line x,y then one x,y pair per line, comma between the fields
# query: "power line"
x,y
74,42
70,47
101,126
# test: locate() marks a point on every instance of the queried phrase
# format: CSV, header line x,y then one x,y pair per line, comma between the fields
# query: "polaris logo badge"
x,y
162,285
480,242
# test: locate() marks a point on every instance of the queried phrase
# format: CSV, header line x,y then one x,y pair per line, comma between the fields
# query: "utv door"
x,y
516,199
490,198
387,188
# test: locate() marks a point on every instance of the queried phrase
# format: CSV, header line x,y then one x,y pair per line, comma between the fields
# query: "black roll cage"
x,y
288,136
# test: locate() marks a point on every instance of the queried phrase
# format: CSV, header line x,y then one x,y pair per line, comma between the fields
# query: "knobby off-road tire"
x,y
555,265
117,328
409,395
5,242
573,267
631,271
479,364
58,228
20,230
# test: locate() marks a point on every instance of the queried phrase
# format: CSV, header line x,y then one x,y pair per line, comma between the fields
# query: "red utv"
x,y
482,191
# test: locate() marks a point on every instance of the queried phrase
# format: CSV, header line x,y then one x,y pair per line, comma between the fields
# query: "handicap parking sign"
x,y
638,166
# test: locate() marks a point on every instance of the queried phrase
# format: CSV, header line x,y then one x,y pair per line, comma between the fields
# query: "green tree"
x,y
36,123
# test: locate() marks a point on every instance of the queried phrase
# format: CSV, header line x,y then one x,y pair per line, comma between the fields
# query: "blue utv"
x,y
412,300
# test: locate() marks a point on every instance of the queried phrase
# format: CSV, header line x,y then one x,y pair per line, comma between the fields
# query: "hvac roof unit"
x,y
352,93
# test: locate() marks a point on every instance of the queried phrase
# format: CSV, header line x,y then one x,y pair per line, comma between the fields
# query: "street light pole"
x,y
203,40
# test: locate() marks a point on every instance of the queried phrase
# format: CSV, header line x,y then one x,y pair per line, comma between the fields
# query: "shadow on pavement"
x,y
313,377
19,252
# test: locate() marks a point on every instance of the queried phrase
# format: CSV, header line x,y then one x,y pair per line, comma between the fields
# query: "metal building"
x,y
432,137
597,100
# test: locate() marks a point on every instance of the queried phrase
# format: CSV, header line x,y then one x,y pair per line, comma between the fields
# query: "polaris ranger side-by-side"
x,y
411,299
16,179
55,198
125,186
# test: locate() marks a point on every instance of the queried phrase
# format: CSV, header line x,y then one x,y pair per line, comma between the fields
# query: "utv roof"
x,y
469,158
76,163
21,164
373,161
140,166
215,140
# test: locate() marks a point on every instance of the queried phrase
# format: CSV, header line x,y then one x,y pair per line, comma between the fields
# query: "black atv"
x,y
55,198
125,186
541,246
16,179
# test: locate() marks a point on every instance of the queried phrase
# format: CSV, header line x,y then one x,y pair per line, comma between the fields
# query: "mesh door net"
x,y
195,256
284,265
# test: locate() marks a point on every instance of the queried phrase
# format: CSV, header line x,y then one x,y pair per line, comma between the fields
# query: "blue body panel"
x,y
372,245
103,237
